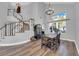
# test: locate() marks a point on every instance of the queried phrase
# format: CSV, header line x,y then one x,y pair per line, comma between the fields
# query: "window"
x,y
59,21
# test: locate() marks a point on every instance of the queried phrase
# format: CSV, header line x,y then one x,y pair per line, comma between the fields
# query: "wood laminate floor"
x,y
66,48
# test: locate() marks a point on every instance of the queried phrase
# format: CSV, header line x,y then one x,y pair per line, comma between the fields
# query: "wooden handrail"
x,y
15,15
2,27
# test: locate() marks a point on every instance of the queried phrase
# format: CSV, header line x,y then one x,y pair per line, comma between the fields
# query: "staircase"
x,y
12,13
13,28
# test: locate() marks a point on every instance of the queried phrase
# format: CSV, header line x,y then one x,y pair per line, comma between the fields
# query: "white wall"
x,y
77,24
3,13
27,11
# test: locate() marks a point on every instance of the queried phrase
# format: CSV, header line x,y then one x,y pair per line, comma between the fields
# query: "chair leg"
x,y
41,45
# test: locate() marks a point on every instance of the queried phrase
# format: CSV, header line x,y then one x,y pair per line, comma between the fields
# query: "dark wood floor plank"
x,y
23,48
33,48
28,50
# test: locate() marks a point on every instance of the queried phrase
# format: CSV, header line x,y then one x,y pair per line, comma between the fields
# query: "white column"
x,y
31,29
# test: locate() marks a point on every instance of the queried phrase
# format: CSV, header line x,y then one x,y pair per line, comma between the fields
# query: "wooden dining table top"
x,y
51,35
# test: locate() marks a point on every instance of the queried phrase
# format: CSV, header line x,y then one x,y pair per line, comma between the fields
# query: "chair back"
x,y
58,36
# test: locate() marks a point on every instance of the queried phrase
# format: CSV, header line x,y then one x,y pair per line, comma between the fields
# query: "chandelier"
x,y
49,11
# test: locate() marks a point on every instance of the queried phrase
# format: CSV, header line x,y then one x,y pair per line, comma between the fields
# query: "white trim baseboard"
x,y
76,46
67,39
13,44
72,41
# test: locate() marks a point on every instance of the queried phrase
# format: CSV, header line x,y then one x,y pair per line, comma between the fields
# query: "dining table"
x,y
52,35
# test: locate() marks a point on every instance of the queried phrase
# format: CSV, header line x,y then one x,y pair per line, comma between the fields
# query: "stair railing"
x,y
11,28
12,12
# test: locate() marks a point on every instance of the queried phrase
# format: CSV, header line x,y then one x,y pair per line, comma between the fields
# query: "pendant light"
x,y
49,11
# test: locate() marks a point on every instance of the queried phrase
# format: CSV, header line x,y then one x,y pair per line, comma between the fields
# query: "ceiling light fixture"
x,y
49,11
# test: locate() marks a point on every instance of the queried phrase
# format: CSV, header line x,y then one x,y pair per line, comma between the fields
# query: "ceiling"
x,y
53,3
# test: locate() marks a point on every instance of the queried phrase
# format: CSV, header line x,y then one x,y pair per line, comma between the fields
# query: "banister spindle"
x,y
5,29
10,29
23,26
